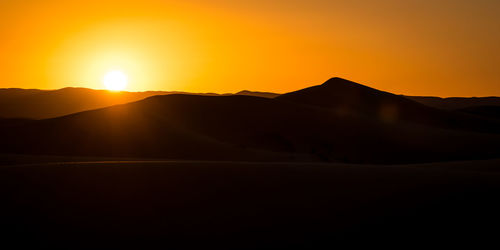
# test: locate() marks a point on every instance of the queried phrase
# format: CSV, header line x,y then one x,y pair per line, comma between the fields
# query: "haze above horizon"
x,y
439,48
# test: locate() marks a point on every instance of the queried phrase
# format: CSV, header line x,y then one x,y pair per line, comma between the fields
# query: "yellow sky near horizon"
x,y
442,48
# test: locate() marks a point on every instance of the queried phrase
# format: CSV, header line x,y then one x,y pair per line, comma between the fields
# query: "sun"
x,y
115,80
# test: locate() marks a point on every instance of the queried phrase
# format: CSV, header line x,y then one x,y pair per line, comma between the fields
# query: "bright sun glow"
x,y
115,80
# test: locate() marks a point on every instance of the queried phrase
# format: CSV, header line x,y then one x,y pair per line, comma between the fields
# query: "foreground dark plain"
x,y
238,205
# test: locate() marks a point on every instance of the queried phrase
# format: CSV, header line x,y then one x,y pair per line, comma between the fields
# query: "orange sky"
x,y
443,48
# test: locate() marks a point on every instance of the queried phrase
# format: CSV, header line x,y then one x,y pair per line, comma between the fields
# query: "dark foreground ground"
x,y
215,205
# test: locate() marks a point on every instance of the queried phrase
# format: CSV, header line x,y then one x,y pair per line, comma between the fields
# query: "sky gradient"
x,y
440,48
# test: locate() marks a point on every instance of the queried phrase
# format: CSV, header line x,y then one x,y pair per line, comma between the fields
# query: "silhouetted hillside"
x,y
455,103
257,93
43,104
346,98
241,128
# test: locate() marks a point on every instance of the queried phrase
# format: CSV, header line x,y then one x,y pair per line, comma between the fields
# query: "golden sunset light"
x,y
407,47
115,80
249,124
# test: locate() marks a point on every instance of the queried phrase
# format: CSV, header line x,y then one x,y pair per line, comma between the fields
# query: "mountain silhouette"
x,y
258,94
248,171
348,98
456,103
43,104
298,126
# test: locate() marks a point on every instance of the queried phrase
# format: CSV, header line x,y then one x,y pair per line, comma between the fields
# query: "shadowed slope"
x,y
8,122
344,97
240,128
257,93
456,103
492,112
42,104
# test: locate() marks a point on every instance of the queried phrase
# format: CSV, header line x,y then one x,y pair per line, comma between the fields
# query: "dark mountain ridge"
x,y
345,97
254,128
456,103
43,104
258,94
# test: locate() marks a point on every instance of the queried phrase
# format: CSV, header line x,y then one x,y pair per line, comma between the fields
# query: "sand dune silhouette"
x,y
336,121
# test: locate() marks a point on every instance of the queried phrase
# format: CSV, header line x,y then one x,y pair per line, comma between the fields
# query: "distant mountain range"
x,y
42,104
456,103
258,94
339,121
